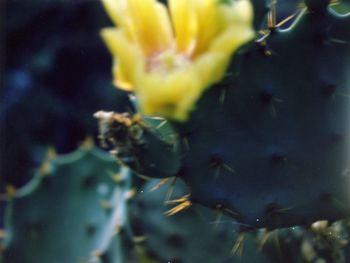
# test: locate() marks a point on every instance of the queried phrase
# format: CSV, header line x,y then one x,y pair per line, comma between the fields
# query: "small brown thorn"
x,y
228,168
179,200
10,191
238,246
268,52
2,234
284,210
222,96
287,19
277,241
96,253
117,177
105,204
170,190
264,32
113,152
156,118
272,16
338,41
219,207
160,125
160,184
231,212
266,236
118,228
139,239
137,119
278,100
301,5
334,3
51,153
130,194
44,169
143,177
88,143
178,208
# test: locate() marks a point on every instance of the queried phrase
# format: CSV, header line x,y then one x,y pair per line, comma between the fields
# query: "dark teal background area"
x,y
55,74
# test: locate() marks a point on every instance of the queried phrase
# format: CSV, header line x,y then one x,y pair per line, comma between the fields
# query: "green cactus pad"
x,y
195,235
275,150
269,144
70,212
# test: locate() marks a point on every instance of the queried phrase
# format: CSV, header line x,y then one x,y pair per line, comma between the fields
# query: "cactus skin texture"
x,y
197,235
70,211
282,129
200,234
270,143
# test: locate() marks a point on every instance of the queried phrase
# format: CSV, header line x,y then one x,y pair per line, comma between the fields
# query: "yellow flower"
x,y
169,56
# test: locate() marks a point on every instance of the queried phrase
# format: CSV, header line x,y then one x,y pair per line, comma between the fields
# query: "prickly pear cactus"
x,y
269,144
71,211
282,128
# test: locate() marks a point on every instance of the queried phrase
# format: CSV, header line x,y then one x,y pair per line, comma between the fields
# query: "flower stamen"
x,y
168,55
167,61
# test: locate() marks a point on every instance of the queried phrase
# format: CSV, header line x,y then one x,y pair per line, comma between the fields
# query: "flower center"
x,y
166,61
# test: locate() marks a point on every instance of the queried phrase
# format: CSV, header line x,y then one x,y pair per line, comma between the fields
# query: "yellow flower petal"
x,y
118,12
120,76
185,26
114,9
128,57
172,95
168,71
209,23
239,12
232,39
211,67
151,24
166,30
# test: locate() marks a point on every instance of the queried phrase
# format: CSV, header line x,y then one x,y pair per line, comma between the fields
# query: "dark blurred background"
x,y
55,73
